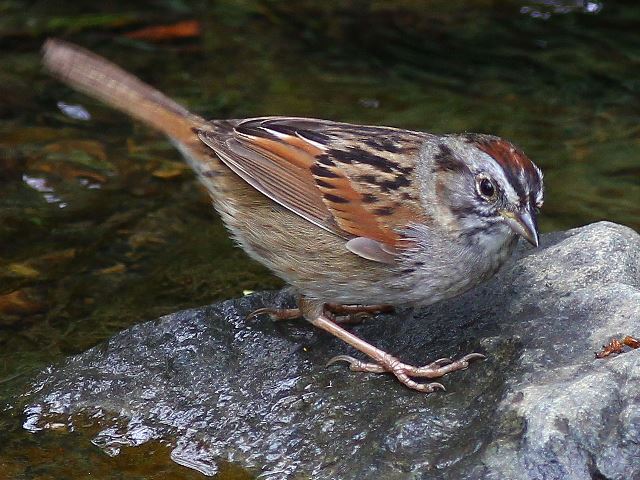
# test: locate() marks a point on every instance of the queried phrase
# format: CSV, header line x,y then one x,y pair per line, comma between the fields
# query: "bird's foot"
x,y
342,314
276,314
404,372
354,314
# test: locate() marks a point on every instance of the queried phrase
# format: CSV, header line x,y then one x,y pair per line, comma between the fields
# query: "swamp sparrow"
x,y
356,218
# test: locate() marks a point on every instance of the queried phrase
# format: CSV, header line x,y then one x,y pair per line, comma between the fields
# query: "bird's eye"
x,y
486,188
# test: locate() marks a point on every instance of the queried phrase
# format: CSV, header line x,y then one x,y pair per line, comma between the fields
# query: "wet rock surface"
x,y
218,387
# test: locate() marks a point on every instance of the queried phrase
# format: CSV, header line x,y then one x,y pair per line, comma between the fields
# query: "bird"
x,y
356,218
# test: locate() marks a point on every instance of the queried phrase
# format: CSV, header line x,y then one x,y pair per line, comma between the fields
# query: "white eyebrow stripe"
x,y
540,192
498,172
500,176
510,192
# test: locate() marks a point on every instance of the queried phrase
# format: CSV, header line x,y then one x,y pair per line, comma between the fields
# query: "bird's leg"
x,y
344,314
316,313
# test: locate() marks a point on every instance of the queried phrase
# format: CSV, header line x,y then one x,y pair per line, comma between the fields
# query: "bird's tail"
x,y
107,82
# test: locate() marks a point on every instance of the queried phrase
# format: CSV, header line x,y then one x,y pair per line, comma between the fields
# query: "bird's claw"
x,y
256,313
343,358
275,313
404,372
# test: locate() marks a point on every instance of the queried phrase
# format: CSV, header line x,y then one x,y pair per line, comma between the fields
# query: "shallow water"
x,y
101,225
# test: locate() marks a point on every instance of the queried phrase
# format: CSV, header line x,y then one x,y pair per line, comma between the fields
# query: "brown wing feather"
x,y
273,176
355,181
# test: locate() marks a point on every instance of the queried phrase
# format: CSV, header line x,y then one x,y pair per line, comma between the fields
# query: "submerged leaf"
x,y
22,302
156,33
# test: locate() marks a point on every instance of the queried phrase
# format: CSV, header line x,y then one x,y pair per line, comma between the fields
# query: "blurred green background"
x,y
102,226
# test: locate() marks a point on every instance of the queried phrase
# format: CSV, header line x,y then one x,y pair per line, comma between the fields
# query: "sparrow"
x,y
356,218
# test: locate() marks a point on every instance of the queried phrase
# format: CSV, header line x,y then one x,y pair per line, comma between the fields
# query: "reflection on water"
x,y
76,112
40,185
544,9
102,225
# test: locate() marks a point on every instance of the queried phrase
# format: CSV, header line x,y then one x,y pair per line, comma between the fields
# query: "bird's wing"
x,y
355,181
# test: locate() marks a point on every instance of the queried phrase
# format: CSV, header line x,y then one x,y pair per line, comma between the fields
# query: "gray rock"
x,y
218,387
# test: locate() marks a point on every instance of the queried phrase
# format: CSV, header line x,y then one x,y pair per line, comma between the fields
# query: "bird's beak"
x,y
524,224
